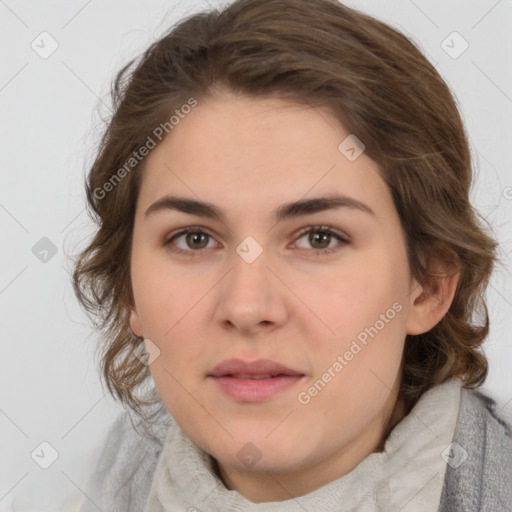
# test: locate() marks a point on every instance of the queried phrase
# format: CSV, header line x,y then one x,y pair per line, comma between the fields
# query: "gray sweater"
x,y
483,483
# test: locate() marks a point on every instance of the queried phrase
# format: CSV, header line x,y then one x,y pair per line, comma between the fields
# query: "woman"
x,y
290,375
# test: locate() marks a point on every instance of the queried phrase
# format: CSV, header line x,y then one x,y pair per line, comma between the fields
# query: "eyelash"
x,y
310,229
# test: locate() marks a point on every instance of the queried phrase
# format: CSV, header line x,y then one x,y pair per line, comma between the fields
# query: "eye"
x,y
195,239
320,238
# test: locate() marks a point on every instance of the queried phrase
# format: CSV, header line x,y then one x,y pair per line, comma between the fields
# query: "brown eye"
x,y
320,238
190,241
196,240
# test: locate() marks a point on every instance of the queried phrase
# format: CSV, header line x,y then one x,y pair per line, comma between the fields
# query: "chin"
x,y
257,454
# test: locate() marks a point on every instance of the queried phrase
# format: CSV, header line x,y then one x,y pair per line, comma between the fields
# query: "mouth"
x,y
254,381
261,368
246,376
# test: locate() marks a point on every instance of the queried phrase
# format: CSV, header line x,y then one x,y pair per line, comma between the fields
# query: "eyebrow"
x,y
283,212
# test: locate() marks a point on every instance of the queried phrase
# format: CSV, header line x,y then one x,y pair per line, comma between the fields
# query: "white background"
x,y
49,128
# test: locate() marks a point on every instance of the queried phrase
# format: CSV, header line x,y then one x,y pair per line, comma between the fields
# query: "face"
x,y
324,291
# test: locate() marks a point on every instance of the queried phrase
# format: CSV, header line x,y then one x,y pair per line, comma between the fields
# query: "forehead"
x,y
245,153
249,132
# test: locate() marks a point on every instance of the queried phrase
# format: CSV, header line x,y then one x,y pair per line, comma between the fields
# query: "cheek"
x,y
350,297
363,320
177,372
162,297
356,373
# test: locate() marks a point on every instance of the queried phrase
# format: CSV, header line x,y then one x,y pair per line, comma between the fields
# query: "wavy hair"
x,y
379,85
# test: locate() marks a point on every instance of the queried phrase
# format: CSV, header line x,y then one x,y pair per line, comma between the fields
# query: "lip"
x,y
258,367
251,389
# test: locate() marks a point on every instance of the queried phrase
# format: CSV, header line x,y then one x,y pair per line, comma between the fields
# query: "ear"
x,y
429,306
135,322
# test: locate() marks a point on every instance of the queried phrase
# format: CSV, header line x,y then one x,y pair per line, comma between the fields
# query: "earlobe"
x,y
135,322
428,307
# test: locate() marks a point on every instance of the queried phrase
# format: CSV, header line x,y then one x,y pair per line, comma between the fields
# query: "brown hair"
x,y
380,87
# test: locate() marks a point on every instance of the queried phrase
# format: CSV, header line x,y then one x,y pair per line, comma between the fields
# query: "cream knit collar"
x,y
407,476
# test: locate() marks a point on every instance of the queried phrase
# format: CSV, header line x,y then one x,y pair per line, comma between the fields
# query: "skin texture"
x,y
293,305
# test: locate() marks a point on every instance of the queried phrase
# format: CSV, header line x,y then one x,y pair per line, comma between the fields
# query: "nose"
x,y
253,298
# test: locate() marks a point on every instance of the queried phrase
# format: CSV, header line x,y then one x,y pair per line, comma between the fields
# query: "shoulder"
x,y
124,471
479,467
484,423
